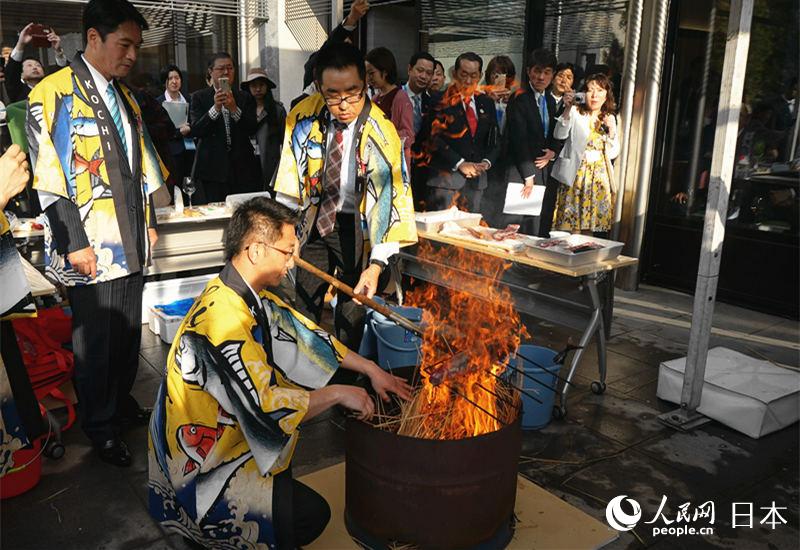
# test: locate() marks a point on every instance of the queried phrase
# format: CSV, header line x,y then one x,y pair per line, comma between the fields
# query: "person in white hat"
x,y
271,116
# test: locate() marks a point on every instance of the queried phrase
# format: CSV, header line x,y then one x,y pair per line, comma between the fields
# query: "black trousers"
x,y
548,207
335,251
106,334
299,515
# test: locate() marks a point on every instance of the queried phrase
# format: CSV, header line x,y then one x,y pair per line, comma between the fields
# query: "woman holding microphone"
x,y
586,196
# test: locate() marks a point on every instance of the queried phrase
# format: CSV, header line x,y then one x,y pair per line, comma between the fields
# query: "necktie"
x,y
332,181
113,107
226,119
544,114
417,113
472,120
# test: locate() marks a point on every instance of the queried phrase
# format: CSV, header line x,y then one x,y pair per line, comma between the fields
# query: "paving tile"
x,y
638,477
784,329
83,507
616,416
149,339
559,449
156,356
713,455
647,394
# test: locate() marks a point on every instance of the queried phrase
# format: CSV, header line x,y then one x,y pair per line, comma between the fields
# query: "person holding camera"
x,y
587,193
530,120
223,119
22,73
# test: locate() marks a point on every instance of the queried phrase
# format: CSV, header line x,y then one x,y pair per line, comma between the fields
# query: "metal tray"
x,y
561,256
431,222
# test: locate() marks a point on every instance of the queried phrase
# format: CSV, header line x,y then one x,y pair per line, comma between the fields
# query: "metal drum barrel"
x,y
431,493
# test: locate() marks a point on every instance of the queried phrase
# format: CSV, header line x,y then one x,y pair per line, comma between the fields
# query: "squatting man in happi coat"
x,y
95,169
244,371
342,165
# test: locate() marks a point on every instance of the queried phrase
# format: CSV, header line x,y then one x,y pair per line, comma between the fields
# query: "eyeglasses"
x,y
286,253
350,99
225,69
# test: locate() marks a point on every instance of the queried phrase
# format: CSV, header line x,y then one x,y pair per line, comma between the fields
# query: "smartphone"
x,y
224,84
500,81
39,34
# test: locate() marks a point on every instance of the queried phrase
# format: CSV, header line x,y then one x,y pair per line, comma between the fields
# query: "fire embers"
x,y
466,342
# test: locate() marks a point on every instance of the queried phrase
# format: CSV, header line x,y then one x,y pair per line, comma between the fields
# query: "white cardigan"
x,y
575,130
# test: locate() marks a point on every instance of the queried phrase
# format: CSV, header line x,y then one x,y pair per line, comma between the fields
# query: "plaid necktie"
x,y
544,113
332,181
113,108
226,119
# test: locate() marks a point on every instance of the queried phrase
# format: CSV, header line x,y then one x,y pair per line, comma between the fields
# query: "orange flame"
x,y
479,320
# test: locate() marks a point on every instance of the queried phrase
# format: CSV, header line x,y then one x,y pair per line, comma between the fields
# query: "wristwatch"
x,y
379,263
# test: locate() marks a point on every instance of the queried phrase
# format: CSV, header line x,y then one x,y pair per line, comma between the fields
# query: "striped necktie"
x,y
113,107
332,181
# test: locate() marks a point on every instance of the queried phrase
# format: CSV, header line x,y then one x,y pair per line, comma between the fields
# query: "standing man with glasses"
x,y
342,166
223,118
95,169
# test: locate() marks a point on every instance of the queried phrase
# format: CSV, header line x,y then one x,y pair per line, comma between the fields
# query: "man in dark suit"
x,y
530,123
223,120
463,140
420,72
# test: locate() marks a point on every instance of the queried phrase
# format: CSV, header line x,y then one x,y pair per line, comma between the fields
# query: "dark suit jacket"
x,y
525,134
16,89
448,147
213,160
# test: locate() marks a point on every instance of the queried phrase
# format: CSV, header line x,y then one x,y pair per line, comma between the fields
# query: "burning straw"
x,y
461,398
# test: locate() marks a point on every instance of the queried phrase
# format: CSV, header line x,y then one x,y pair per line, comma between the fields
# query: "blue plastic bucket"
x,y
396,346
537,363
369,343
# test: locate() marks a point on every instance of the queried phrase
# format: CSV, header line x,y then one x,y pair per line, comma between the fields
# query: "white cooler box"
x,y
165,292
749,395
166,326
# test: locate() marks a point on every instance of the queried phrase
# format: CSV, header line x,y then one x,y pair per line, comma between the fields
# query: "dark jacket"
x,y
214,161
525,135
269,136
455,142
16,89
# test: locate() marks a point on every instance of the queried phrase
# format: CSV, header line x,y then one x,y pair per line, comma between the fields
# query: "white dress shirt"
x,y
45,198
380,252
102,84
168,98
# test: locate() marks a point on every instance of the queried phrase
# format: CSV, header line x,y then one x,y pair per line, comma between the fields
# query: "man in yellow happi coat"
x,y
95,168
342,165
244,371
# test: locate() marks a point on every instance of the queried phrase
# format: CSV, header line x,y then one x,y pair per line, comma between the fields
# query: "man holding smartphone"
x,y
223,118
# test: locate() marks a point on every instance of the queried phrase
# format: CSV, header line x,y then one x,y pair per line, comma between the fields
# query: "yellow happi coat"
x,y
226,418
385,204
71,154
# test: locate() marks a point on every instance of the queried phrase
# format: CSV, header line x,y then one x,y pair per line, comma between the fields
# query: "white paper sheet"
x,y
515,204
178,112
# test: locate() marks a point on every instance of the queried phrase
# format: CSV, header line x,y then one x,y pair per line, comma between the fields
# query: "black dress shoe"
x,y
114,451
134,417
